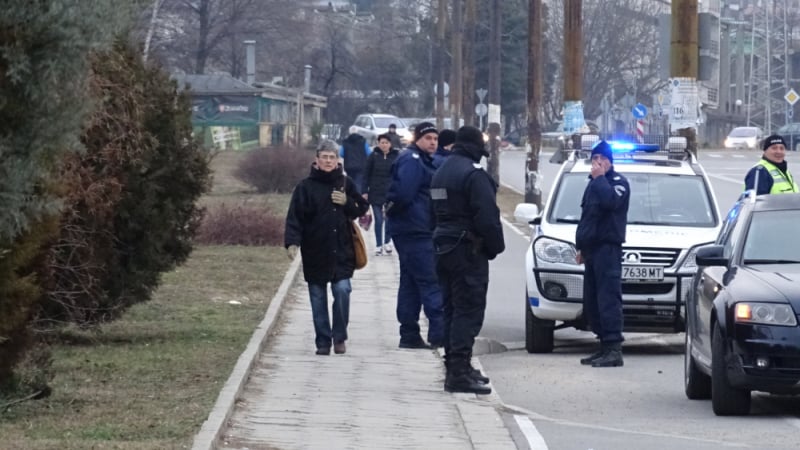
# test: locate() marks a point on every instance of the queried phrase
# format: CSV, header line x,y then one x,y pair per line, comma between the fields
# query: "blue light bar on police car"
x,y
629,147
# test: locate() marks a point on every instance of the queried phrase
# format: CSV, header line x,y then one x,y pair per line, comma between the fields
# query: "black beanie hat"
x,y
774,139
603,148
473,136
422,129
446,137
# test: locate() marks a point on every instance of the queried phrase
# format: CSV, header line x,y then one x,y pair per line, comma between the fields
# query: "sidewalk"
x,y
375,396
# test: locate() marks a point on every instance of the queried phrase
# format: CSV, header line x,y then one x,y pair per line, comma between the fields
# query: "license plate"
x,y
648,273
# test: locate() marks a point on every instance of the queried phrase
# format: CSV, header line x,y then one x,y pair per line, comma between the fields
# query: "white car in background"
x,y
672,213
744,137
373,125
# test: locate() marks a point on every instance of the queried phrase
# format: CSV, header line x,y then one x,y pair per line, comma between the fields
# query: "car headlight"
x,y
780,314
690,262
553,251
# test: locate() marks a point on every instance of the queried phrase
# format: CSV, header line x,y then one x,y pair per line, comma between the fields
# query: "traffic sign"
x,y
639,111
481,94
791,97
481,109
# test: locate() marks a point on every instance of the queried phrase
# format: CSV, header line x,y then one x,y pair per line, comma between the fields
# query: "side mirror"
x,y
711,255
526,214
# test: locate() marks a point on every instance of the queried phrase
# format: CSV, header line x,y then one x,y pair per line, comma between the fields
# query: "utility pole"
x,y
457,65
573,67
533,190
495,49
468,93
684,58
441,28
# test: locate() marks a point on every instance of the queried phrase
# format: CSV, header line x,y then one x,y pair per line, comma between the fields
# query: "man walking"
x,y
320,215
598,239
394,138
354,151
410,225
468,234
377,177
771,174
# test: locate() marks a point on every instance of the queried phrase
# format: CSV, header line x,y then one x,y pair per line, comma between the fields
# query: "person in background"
x,y
446,140
318,223
598,240
394,138
354,151
377,177
410,223
468,235
771,174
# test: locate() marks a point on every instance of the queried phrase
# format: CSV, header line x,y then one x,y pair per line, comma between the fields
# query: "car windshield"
x,y
656,199
743,132
769,238
384,122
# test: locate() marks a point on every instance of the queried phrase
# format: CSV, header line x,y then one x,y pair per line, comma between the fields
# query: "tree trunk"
x,y
202,41
468,91
442,52
494,88
533,190
456,68
151,28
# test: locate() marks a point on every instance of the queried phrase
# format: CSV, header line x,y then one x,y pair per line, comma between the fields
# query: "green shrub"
x,y
130,213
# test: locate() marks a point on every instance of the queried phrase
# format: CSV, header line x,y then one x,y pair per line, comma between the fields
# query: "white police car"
x,y
672,212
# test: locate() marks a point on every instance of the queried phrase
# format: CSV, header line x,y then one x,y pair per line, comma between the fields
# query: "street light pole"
x,y
684,59
533,191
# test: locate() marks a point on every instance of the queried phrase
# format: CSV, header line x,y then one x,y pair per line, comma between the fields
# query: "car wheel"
x,y
697,385
538,332
725,399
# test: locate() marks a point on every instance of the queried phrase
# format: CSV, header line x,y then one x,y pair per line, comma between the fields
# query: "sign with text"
x,y
683,108
494,113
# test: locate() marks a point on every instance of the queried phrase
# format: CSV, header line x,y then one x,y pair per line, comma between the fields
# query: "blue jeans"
x,y
341,312
419,288
381,236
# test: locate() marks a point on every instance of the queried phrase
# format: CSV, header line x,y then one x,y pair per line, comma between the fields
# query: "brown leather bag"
x,y
359,246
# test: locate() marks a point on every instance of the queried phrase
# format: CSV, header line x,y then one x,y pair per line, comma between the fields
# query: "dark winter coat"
x,y
409,209
378,175
355,151
604,212
321,228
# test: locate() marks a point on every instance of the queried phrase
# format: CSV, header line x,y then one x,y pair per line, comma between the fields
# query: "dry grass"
x,y
149,380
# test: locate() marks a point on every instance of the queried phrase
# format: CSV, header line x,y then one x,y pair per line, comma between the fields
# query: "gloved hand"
x,y
339,197
292,251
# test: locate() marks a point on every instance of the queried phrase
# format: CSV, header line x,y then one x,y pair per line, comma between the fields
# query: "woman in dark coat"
x,y
377,177
319,222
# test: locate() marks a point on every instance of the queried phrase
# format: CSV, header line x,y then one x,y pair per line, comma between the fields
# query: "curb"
x,y
210,433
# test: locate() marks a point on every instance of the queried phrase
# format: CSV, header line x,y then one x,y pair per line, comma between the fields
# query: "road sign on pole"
x,y
480,110
481,94
791,97
639,111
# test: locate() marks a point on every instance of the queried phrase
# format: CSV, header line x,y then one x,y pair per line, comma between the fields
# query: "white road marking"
x,y
514,228
713,155
535,440
729,179
738,156
508,186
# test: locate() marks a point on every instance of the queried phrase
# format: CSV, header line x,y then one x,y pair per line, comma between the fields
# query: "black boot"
x,y
464,382
478,376
589,359
612,356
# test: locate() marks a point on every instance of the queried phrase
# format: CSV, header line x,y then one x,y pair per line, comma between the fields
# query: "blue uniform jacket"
x,y
409,209
604,212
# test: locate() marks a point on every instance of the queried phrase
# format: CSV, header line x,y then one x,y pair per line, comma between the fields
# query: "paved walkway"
x,y
375,396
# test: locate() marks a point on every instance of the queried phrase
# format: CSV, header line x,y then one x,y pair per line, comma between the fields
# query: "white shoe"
x,y
379,251
388,248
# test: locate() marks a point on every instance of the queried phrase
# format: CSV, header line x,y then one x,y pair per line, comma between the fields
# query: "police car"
x,y
672,212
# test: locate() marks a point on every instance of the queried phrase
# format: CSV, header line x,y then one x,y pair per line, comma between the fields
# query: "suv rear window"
x,y
656,199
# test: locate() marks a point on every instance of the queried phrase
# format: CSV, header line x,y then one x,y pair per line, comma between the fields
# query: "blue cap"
x,y
603,148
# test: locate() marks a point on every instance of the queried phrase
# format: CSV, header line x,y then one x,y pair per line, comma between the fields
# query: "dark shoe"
x,y
589,359
611,358
465,383
339,348
419,344
324,351
434,344
478,376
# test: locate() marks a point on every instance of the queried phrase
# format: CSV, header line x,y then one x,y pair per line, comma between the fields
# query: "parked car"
x,y
372,125
515,138
554,136
672,212
791,134
742,311
744,137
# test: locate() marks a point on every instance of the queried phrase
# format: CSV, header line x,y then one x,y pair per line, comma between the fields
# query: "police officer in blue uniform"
x,y
468,234
410,224
598,239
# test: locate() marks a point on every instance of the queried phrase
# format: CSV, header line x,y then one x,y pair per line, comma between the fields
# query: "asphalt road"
x,y
641,405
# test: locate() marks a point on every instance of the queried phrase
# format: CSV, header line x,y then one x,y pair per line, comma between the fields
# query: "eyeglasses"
x,y
328,157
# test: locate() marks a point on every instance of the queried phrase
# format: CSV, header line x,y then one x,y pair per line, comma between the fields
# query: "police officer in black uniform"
x,y
599,238
468,234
